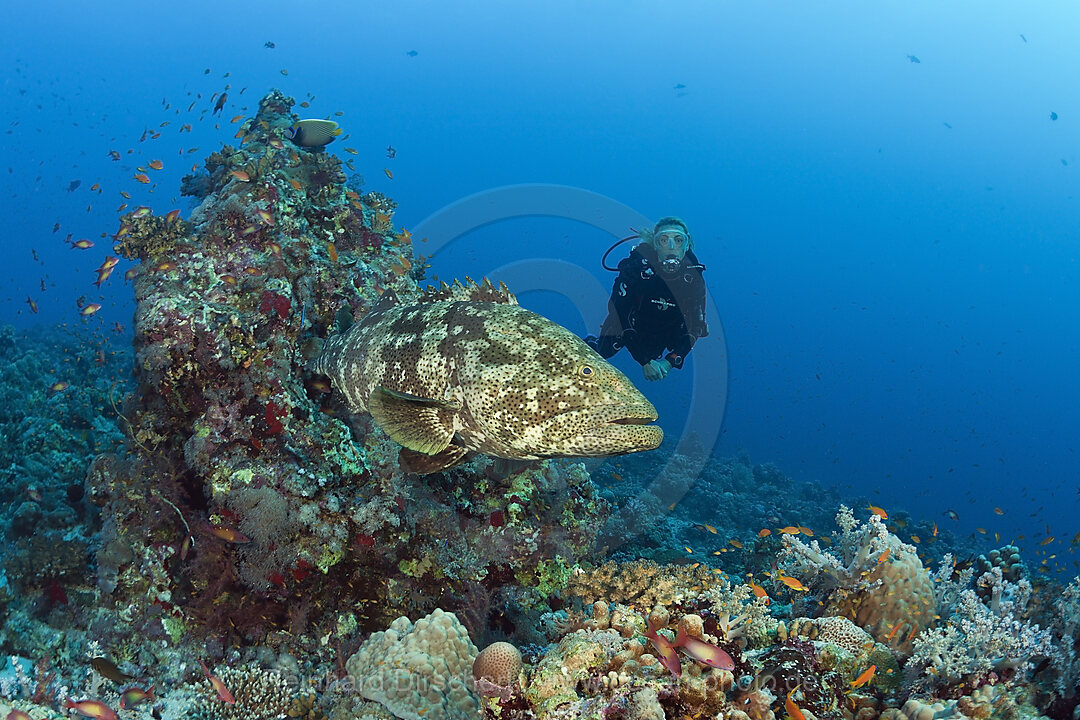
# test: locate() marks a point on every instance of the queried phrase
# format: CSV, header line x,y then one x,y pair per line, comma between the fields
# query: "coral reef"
x,y
870,576
225,508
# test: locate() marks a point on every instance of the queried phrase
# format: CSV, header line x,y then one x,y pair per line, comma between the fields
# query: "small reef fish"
x,y
107,669
878,511
793,711
951,514
789,530
17,715
764,532
760,592
156,165
703,652
793,583
454,391
83,244
136,696
388,174
241,175
32,304
229,534
331,251
866,676
313,133
171,216
220,103
92,709
665,652
266,217
223,692
143,178
90,309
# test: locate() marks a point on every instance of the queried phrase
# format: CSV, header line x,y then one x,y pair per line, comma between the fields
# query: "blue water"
x,y
891,245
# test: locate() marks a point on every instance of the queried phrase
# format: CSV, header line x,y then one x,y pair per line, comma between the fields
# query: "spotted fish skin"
x,y
466,369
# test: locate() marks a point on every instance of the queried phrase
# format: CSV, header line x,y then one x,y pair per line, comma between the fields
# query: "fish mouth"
x,y
620,429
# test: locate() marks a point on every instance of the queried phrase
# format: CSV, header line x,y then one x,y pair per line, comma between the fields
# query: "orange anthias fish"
x,y
760,592
143,178
704,652
156,165
764,532
878,511
241,175
866,676
331,250
793,583
92,709
17,715
789,530
667,655
222,692
793,710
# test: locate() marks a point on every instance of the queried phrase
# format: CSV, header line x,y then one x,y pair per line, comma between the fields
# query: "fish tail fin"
x,y
680,638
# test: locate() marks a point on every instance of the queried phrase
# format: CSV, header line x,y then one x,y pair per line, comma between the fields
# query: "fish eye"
x,y
587,371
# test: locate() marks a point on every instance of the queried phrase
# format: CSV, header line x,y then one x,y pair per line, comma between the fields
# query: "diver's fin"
x,y
414,422
421,464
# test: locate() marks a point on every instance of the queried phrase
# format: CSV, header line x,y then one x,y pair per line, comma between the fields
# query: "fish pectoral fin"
x,y
422,464
417,423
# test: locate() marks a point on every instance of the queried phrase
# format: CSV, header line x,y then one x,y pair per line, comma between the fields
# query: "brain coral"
x,y
418,671
499,662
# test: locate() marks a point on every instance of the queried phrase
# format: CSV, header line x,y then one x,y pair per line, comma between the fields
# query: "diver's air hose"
x,y
603,259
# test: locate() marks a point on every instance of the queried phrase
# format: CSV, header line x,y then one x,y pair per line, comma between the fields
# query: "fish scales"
x,y
466,369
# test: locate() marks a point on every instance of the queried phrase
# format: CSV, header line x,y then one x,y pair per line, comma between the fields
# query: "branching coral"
x,y
872,577
978,637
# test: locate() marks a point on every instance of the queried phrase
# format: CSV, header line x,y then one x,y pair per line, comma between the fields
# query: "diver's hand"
x,y
656,369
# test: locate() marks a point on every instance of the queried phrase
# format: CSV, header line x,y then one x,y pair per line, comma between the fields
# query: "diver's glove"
x,y
656,369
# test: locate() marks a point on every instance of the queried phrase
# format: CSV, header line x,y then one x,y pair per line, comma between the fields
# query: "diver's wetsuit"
x,y
650,312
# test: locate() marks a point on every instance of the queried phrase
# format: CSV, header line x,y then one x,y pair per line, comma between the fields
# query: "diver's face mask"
x,y
671,245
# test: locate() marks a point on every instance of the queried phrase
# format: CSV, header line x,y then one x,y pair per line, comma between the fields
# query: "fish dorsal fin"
x,y
386,301
470,292
417,423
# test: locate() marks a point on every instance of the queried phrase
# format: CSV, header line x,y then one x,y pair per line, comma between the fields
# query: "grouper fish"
x,y
467,370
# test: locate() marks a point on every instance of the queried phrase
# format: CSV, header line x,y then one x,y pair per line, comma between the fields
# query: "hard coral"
x,y
872,577
499,662
418,669
260,695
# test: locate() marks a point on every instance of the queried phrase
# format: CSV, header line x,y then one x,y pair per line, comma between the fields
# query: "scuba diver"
x,y
658,301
